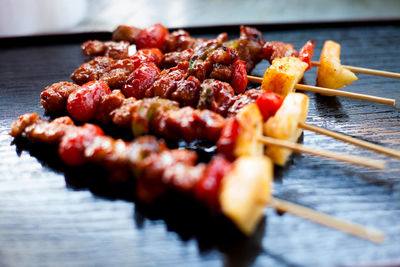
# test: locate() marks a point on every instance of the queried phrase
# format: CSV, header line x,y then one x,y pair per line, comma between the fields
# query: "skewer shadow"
x,y
293,161
326,104
211,232
180,213
329,105
372,180
296,160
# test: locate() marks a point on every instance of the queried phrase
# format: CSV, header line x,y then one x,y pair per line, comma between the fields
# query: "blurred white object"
x,y
107,15
23,17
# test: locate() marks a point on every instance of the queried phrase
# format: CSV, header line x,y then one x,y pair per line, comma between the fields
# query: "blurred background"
x,y
27,17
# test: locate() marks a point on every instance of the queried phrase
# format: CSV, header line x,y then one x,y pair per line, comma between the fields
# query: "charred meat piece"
x,y
222,59
250,46
91,70
116,74
172,59
107,105
126,33
115,50
274,50
112,155
93,48
145,113
251,34
183,122
178,41
154,165
221,72
49,133
168,169
204,47
221,63
223,55
166,83
199,66
187,92
200,69
217,96
122,116
18,126
54,97
212,122
183,177
142,147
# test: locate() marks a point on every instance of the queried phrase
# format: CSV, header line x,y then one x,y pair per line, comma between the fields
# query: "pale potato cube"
x,y
251,122
284,125
283,75
245,191
331,73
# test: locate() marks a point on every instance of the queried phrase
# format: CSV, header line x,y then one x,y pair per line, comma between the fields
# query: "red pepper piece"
x,y
73,144
83,102
239,77
268,103
152,37
147,55
207,189
227,140
140,80
306,53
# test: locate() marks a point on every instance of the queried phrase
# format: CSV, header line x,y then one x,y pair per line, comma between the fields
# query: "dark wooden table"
x,y
54,216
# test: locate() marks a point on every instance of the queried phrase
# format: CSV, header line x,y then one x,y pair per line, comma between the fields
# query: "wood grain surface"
x,y
54,216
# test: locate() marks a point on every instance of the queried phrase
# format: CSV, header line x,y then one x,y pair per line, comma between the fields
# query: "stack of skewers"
x,y
178,87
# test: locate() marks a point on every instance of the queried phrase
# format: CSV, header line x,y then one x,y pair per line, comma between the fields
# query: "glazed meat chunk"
x,y
54,97
91,70
115,50
116,74
178,41
126,33
274,50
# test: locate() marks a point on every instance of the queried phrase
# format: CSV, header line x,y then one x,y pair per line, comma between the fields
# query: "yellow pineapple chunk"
x,y
331,73
284,125
251,122
245,191
283,75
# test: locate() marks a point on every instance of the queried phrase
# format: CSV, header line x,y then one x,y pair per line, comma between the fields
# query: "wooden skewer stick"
x,y
377,164
322,90
382,73
351,140
254,79
316,89
339,136
349,227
